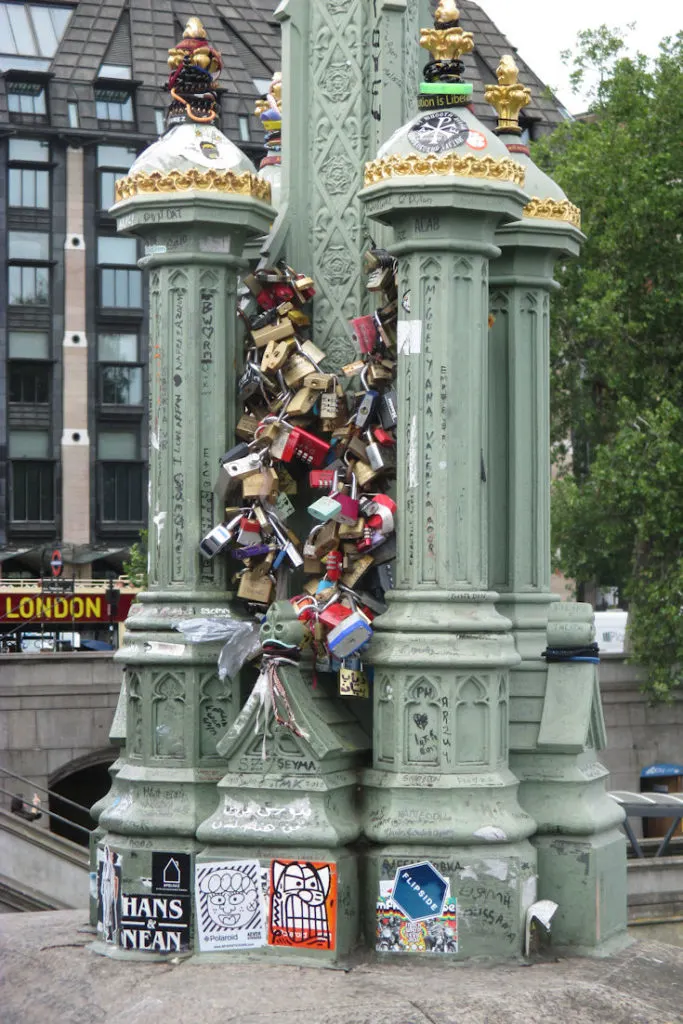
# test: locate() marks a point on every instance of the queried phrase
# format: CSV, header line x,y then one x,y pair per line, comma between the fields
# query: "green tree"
x,y
617,344
135,567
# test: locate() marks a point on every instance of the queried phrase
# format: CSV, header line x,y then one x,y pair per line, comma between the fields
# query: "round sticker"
x,y
438,132
476,140
209,149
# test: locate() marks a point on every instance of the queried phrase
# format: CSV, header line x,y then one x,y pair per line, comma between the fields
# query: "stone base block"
x,y
309,897
144,887
586,877
490,890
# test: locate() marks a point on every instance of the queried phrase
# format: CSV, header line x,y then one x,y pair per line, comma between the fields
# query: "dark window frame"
x,y
110,474
25,491
17,365
106,97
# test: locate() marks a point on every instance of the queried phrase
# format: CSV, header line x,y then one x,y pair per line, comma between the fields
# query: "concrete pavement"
x,y
48,977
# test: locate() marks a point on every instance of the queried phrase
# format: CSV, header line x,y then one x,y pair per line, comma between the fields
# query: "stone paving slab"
x,y
48,977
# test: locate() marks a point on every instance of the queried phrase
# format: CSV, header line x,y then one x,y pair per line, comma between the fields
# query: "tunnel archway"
x,y
85,781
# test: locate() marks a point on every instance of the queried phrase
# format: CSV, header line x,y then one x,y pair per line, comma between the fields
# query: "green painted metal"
x,y
350,73
290,792
165,785
555,712
442,653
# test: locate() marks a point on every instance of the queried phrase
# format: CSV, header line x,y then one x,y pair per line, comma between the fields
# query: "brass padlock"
x,y
296,369
353,369
365,474
357,570
276,355
357,448
313,352
257,589
352,531
326,539
286,481
299,318
311,565
378,373
303,402
262,484
273,333
318,381
246,427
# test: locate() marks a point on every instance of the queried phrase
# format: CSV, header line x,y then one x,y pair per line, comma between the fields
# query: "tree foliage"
x,y
617,344
136,566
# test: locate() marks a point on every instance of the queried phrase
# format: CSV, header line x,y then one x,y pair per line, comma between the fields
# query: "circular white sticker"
x,y
476,140
438,132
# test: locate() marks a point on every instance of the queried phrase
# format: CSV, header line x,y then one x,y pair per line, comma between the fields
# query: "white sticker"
x,y
491,833
155,250
214,244
229,905
412,454
158,648
409,337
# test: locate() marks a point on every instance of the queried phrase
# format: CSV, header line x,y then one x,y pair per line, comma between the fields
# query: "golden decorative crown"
x,y
446,43
508,97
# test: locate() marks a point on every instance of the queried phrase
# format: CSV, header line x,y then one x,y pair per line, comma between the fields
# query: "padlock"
x,y
380,513
278,444
333,565
325,508
306,448
366,408
288,484
333,613
240,468
253,551
273,333
313,353
365,542
349,507
365,473
386,551
350,635
326,538
365,332
296,370
352,531
238,451
353,369
318,381
246,427
303,287
357,448
321,479
385,576
382,436
249,531
373,453
388,410
330,402
353,682
257,589
378,374
216,540
276,354
249,382
356,571
283,505
288,548
261,484
302,402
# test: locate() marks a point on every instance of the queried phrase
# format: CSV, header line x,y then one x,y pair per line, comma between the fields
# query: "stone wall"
x,y
637,735
54,709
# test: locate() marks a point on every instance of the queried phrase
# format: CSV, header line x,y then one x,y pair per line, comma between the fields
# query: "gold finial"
x,y
508,97
445,12
273,99
276,89
194,29
448,43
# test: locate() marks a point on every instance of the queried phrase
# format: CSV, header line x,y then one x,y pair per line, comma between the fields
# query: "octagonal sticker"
x,y
420,891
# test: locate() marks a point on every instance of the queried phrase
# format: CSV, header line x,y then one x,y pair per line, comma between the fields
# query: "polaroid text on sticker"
x,y
409,337
229,903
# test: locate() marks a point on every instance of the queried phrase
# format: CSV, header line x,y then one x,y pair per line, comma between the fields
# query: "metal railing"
x,y
44,810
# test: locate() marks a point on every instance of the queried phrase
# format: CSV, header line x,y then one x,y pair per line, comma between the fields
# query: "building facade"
x,y
79,99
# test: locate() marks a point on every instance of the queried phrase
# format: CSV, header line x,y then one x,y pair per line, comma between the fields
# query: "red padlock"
x,y
334,561
305,447
380,513
334,614
383,436
321,479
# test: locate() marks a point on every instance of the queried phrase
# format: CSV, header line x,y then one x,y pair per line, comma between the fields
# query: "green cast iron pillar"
x,y
581,851
440,788
195,200
349,68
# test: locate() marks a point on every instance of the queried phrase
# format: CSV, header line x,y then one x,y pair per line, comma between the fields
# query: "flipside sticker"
x,y
396,933
302,904
229,902
476,140
171,874
108,894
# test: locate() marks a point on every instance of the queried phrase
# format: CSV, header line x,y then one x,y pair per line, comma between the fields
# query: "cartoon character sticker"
x,y
108,894
397,934
303,904
229,904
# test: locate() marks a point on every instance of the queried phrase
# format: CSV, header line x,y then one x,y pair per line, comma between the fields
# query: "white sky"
x,y
541,29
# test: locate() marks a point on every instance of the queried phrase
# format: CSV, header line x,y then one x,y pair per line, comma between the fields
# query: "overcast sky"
x,y
541,29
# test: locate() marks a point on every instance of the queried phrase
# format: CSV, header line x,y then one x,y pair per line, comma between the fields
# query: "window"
x,y
115,71
30,34
28,284
113,162
29,345
29,382
26,98
243,123
119,384
113,105
30,151
160,121
30,188
74,119
32,477
120,287
121,477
